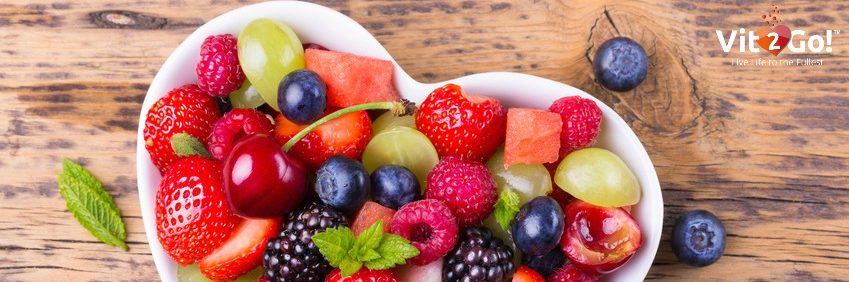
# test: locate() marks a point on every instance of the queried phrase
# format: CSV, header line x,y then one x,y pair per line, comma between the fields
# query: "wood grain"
x,y
762,147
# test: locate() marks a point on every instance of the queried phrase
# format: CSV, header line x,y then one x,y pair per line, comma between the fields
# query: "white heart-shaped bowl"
x,y
317,24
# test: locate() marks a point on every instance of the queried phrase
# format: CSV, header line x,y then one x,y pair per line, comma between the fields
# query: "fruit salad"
x,y
287,161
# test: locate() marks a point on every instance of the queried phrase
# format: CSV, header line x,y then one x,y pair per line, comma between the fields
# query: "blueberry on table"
x,y
302,96
342,183
394,186
620,64
698,238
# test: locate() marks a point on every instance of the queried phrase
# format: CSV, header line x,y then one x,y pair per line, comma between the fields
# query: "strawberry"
x,y
347,135
470,127
581,122
363,275
184,109
192,214
526,274
242,252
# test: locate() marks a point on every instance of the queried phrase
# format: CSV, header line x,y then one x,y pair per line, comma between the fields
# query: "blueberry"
x,y
394,186
342,183
302,96
620,64
547,263
698,238
538,226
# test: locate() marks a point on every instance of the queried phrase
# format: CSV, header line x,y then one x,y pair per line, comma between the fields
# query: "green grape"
x,y
599,177
402,146
246,97
528,181
388,120
268,51
191,273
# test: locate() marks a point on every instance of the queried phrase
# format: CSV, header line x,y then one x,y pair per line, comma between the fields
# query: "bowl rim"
x,y
366,45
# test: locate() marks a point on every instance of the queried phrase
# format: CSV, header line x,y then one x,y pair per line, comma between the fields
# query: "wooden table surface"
x,y
765,148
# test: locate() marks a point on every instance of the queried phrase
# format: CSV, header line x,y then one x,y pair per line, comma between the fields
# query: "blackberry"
x,y
478,256
547,263
292,256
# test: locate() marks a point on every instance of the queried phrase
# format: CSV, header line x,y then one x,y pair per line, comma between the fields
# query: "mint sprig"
x,y
372,248
506,208
185,145
91,205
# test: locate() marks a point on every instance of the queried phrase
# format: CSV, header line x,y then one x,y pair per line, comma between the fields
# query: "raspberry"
x,y
234,125
465,187
364,274
430,227
581,122
218,71
568,273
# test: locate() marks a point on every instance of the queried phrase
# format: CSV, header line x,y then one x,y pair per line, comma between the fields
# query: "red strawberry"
x,y
192,214
242,252
183,110
347,135
218,71
465,187
363,275
581,122
470,127
526,274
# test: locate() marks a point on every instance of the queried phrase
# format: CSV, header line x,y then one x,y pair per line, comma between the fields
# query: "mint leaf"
x,y
506,208
349,267
394,250
185,145
91,205
372,247
367,255
334,244
370,238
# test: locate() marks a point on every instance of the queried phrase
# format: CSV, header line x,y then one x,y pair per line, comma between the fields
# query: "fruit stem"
x,y
398,108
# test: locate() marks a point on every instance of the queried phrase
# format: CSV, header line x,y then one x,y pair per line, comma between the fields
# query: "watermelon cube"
x,y
370,213
351,79
533,137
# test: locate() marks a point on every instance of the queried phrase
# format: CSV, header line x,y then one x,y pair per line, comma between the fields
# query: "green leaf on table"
x,y
506,208
185,145
91,205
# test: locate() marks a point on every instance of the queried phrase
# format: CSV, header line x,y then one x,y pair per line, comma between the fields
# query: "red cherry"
x,y
599,240
261,181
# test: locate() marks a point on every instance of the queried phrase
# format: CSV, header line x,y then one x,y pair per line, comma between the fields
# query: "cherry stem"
x,y
398,108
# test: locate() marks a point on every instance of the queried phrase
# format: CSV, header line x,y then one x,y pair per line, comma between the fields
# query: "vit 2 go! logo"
x,y
774,37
